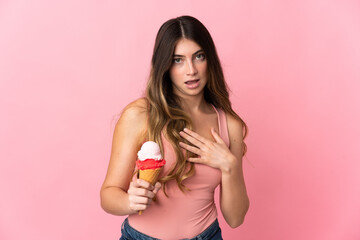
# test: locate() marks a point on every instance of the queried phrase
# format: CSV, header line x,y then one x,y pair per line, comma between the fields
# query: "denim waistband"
x,y
213,232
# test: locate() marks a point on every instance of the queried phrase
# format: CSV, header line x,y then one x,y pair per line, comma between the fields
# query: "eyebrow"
x,y
198,51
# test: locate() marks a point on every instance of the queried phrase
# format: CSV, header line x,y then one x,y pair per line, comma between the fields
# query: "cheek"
x,y
202,68
174,74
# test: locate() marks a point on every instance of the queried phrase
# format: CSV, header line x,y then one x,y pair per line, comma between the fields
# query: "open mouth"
x,y
192,82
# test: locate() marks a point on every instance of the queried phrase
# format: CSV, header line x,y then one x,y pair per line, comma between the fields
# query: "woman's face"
x,y
188,70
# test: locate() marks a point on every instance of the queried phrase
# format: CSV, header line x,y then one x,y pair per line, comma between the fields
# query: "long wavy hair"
x,y
165,113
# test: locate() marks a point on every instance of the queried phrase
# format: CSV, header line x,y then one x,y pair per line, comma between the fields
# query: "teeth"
x,y
192,81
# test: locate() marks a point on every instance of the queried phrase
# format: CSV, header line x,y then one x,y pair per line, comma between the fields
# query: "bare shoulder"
x,y
135,113
236,130
133,119
137,108
235,125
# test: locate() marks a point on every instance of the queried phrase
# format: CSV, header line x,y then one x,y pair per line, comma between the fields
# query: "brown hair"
x,y
165,112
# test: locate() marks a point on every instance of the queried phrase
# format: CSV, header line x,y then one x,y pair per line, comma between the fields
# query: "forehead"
x,y
186,47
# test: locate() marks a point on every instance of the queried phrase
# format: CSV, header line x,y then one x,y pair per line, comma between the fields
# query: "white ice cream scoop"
x,y
149,150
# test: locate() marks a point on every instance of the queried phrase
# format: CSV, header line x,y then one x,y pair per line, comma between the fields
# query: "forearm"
x,y
115,201
234,201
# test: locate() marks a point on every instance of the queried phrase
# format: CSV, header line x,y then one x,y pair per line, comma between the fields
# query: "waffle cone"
x,y
150,175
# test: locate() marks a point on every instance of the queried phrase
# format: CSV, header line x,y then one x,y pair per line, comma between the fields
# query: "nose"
x,y
191,69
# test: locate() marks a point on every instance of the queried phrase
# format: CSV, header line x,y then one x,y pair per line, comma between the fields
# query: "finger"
x,y
138,207
139,191
144,193
196,160
190,148
144,184
140,200
216,136
157,187
196,136
132,186
191,139
136,183
135,176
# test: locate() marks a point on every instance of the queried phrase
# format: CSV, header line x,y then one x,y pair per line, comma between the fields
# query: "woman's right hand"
x,y
141,194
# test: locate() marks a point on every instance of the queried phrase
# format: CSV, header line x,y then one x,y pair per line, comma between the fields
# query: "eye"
x,y
200,56
177,60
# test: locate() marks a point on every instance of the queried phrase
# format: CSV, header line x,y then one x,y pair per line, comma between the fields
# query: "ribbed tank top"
x,y
183,215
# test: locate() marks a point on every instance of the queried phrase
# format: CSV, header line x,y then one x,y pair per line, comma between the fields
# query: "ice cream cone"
x,y
150,175
149,162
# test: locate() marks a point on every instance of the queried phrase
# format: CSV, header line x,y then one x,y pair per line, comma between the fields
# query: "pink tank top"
x,y
183,215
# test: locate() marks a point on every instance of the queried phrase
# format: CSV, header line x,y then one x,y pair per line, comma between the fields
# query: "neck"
x,y
193,104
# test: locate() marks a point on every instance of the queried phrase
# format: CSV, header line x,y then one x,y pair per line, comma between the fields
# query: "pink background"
x,y
67,68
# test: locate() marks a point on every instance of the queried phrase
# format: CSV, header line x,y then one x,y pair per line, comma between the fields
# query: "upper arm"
x,y
236,132
128,136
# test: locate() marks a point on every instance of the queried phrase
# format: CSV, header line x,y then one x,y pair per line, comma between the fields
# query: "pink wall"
x,y
68,67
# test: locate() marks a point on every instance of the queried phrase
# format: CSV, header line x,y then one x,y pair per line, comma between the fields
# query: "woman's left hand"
x,y
212,153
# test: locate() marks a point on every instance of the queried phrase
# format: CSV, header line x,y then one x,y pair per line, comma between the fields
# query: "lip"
x,y
196,79
192,83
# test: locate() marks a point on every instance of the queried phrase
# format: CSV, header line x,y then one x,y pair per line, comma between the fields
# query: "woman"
x,y
188,113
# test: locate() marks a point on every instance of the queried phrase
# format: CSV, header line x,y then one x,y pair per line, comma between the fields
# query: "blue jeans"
x,y
213,232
